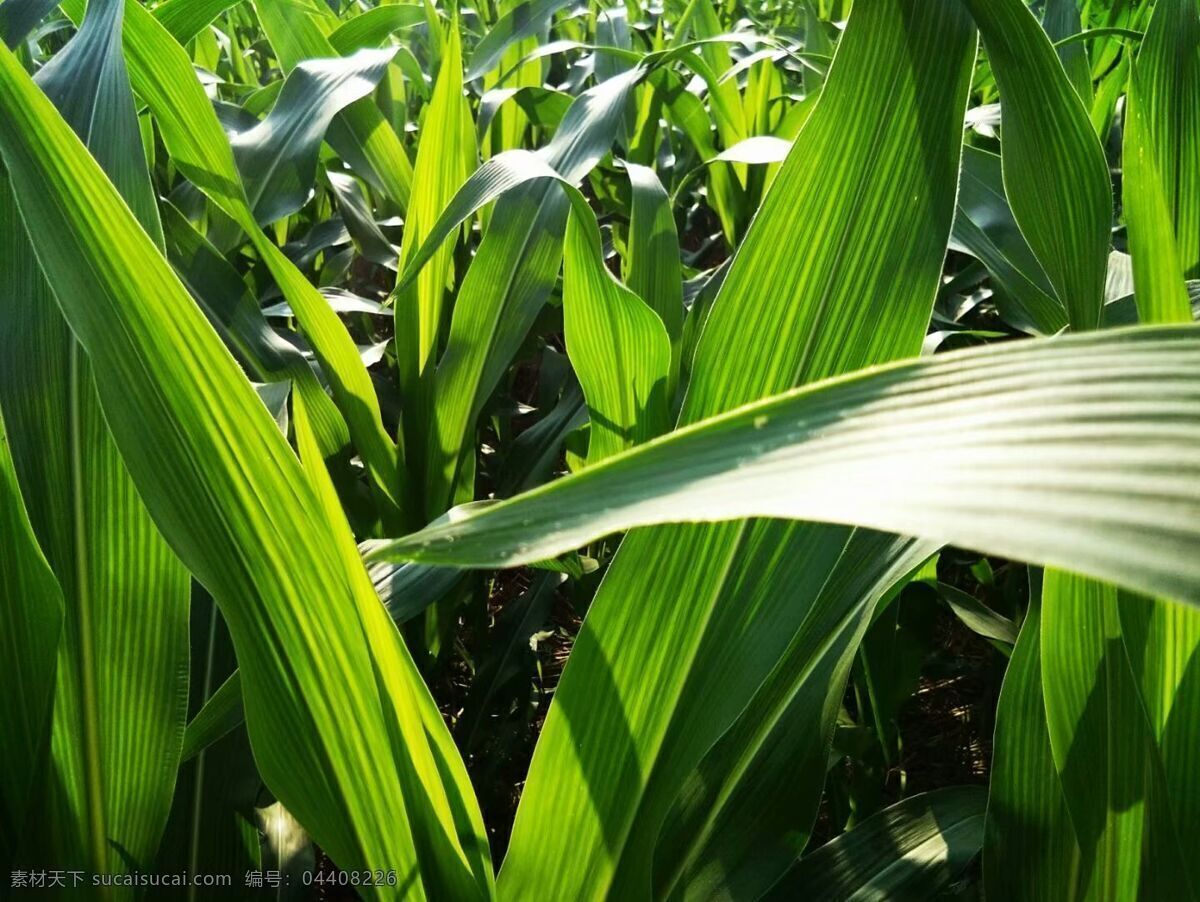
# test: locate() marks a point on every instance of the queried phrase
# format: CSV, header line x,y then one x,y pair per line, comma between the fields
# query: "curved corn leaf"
x,y
731,831
360,222
163,77
278,157
19,17
524,20
316,646
819,453
373,26
652,268
265,355
1090,688
360,134
222,712
509,280
405,590
617,344
911,850
984,227
185,19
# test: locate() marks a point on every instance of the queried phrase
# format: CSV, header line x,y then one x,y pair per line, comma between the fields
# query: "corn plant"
x,y
352,354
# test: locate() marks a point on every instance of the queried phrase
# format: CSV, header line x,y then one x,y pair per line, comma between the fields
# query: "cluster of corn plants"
x,y
344,346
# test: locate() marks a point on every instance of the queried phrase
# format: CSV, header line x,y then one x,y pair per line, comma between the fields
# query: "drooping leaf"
x,y
278,157
360,134
1056,423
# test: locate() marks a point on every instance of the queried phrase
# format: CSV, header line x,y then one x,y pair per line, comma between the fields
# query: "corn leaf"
x,y
1157,271
120,701
1055,173
278,157
162,76
185,19
613,776
445,159
1027,817
1169,97
652,264
31,621
816,429
509,279
911,850
360,134
617,344
984,227
372,27
314,643
19,17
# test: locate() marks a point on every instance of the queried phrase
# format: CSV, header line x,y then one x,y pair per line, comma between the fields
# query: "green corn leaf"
x,y
315,645
1055,173
687,112
278,157
1029,847
1157,272
1056,423
162,76
185,19
222,712
445,159
1091,688
1102,745
19,17
356,212
524,20
614,775
984,227
31,620
652,264
617,345
373,26
509,280
227,303
120,701
360,135
732,831
911,850
1169,97
1061,22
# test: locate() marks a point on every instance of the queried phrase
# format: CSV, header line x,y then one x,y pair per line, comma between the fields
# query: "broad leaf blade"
x,y
856,450
223,485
